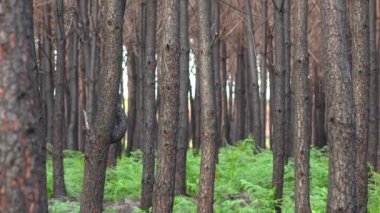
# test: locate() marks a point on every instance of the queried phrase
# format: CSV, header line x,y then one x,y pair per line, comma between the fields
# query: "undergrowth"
x,y
243,181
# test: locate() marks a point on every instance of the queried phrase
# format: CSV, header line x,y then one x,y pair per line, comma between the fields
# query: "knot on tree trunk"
x,y
120,126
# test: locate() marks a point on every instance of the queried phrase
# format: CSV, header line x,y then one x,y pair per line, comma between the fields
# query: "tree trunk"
x,y
132,87
302,110
340,113
239,96
358,13
21,169
59,111
279,115
254,86
215,38
288,111
149,128
100,136
183,130
197,110
73,125
208,113
263,72
225,122
168,126
373,83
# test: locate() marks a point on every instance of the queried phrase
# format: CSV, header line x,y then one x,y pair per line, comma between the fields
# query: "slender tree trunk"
x,y
197,109
302,110
373,83
358,13
168,126
81,102
46,67
225,122
73,125
279,115
140,108
208,114
288,110
183,130
150,107
21,169
254,86
340,113
101,134
132,87
239,96
263,71
215,38
59,111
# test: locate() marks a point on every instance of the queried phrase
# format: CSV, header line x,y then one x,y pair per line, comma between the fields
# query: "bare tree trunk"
x,y
239,96
140,108
101,134
197,110
215,39
358,13
132,87
301,135
288,111
254,86
263,71
149,128
59,111
183,130
340,113
21,167
373,83
208,113
225,122
168,126
279,115
73,125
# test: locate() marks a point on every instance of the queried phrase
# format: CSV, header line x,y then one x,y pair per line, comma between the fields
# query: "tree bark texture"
x,y
169,108
132,87
100,136
254,86
288,110
21,168
59,111
208,113
279,108
149,128
73,125
359,24
183,130
373,83
340,112
263,72
302,110
239,96
225,122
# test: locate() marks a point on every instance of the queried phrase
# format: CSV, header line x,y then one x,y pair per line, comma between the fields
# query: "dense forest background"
x,y
189,105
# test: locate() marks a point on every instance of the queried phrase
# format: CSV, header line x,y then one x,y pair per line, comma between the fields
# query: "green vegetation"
x,y
243,181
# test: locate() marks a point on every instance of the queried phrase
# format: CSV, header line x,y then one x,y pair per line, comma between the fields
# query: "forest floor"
x,y
243,183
